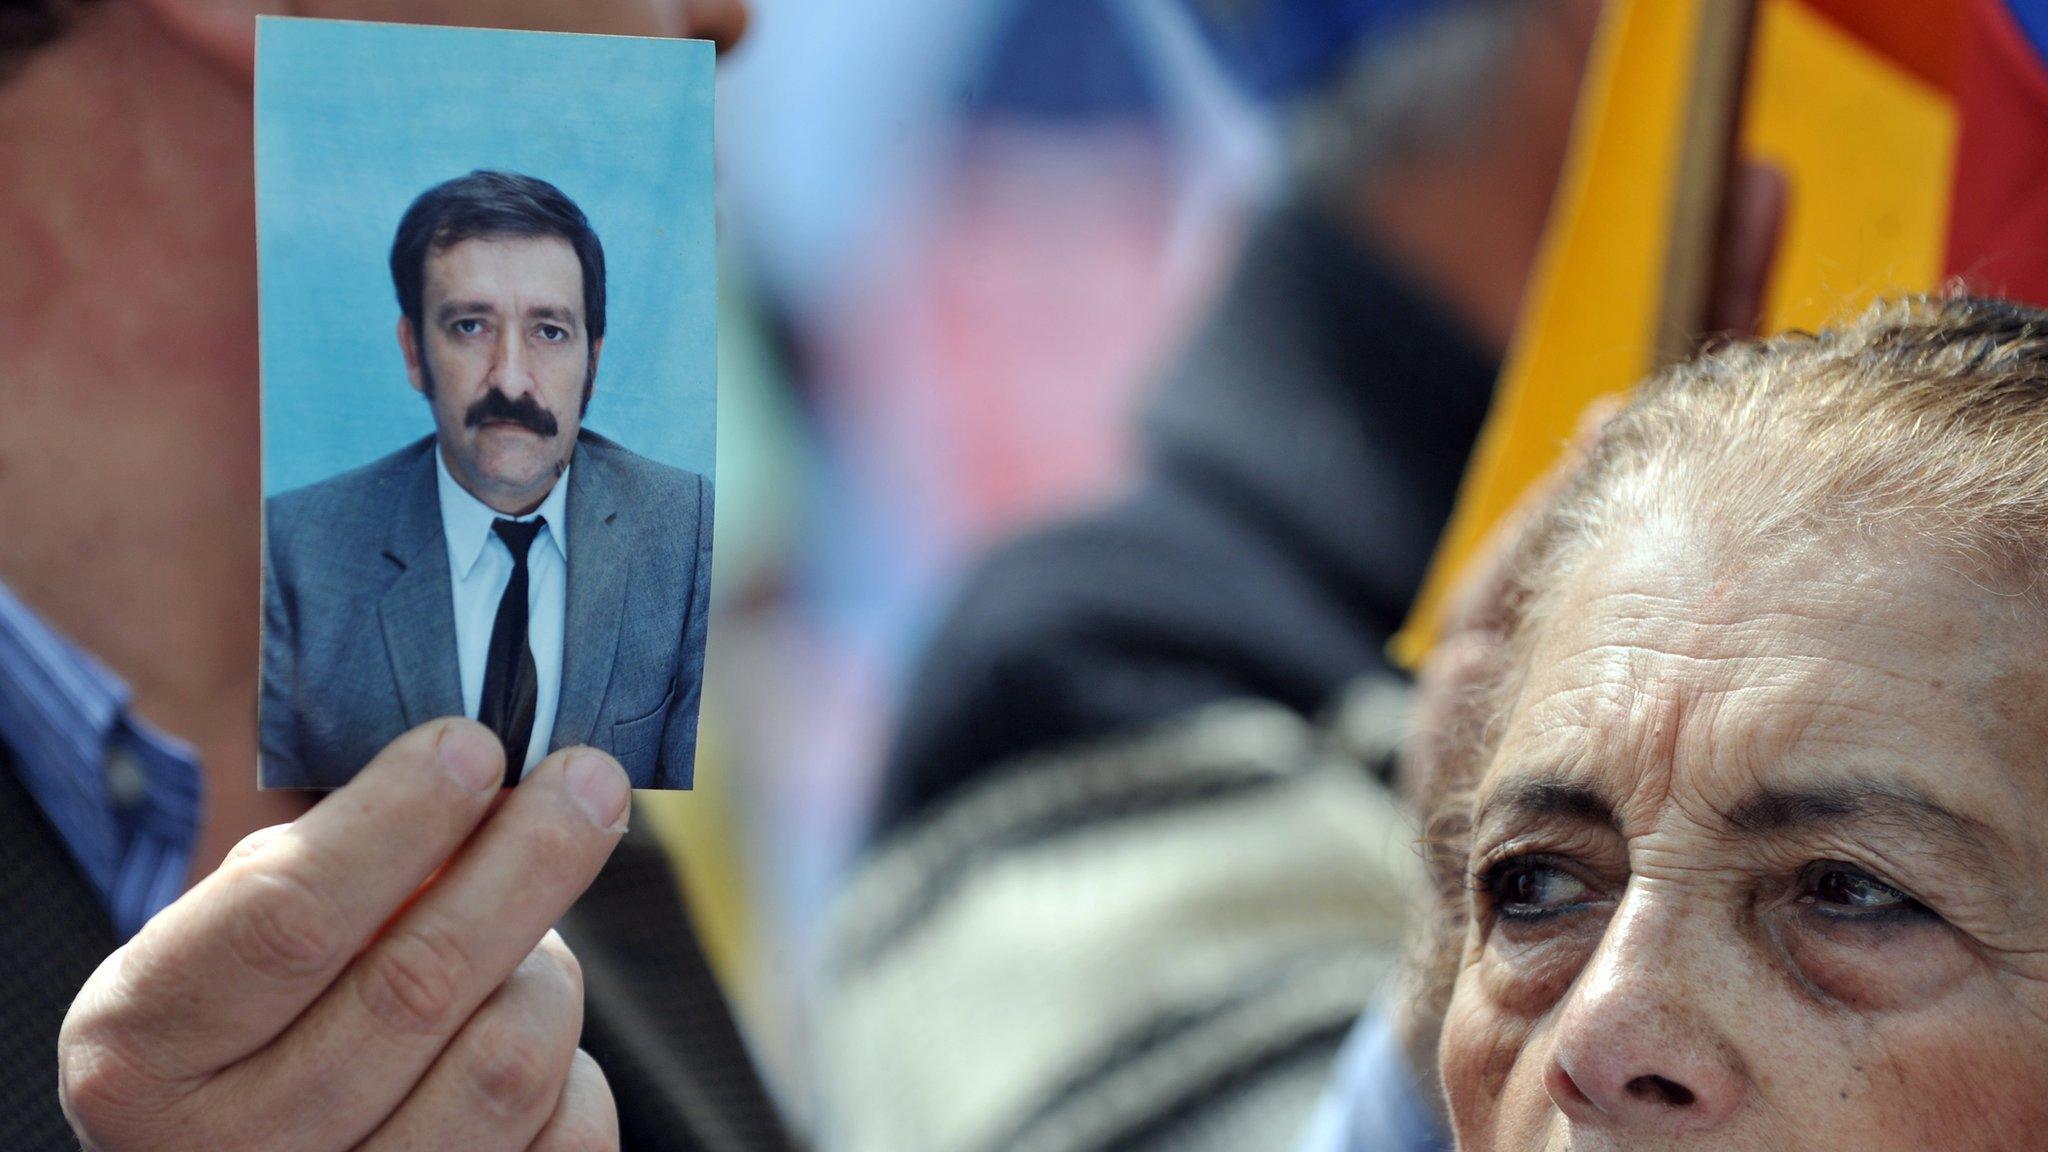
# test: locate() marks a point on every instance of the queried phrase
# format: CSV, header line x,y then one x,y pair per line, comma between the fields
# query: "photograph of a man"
x,y
511,565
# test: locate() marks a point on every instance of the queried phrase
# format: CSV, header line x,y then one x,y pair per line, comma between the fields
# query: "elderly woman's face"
x,y
1762,863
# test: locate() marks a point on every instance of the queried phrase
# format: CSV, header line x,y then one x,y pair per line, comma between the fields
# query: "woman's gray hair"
x,y
1923,421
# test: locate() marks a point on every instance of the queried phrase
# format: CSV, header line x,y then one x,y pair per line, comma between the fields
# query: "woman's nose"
x,y
1627,1088
1636,1044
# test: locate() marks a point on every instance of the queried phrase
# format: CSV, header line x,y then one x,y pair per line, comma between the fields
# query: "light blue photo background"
x,y
354,120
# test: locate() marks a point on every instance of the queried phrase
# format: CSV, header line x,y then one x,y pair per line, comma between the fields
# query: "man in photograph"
x,y
514,566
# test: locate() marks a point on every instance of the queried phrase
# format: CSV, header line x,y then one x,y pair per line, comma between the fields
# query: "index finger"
x,y
227,968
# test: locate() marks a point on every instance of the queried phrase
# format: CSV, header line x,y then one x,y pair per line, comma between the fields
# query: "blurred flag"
x,y
1913,138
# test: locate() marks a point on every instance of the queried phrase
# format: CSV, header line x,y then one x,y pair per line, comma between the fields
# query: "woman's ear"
x,y
222,31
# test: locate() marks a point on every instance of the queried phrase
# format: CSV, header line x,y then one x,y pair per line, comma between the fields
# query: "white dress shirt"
x,y
481,565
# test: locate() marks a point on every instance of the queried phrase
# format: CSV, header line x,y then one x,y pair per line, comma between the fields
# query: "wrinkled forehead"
x,y
1658,667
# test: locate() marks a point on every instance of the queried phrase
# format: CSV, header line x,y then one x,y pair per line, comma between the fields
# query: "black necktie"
x,y
511,683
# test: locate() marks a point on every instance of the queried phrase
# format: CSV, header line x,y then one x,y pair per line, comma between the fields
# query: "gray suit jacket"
x,y
359,616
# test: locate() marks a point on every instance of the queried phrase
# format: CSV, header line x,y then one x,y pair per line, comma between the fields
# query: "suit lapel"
x,y
417,613
598,568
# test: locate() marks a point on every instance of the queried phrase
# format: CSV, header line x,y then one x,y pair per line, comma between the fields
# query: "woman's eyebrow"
x,y
1769,811
1548,794
1766,811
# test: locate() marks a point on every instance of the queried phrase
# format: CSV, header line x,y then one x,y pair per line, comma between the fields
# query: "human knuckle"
x,y
514,1071
286,928
552,844
412,983
89,1085
107,1098
250,845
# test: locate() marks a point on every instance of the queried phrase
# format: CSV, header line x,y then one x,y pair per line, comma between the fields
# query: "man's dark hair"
x,y
491,204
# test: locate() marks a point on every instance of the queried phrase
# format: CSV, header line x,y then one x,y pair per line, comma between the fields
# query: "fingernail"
x,y
599,788
470,756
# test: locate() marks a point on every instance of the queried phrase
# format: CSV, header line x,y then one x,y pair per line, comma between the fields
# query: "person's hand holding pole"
x,y
380,974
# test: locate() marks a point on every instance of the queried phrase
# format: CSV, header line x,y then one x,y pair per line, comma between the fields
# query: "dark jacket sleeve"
x,y
655,1018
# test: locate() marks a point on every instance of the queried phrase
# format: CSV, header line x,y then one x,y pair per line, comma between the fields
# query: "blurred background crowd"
x,y
951,278
959,306
948,277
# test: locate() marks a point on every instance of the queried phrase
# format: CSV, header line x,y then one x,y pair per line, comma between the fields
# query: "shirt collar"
x,y
466,521
1386,1104
62,713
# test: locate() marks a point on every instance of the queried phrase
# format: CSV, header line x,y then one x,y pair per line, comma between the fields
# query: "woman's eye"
x,y
1532,889
1846,893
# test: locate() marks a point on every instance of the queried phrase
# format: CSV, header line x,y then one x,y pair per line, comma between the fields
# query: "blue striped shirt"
x,y
123,796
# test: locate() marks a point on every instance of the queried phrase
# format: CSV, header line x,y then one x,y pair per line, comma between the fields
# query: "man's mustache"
x,y
525,412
